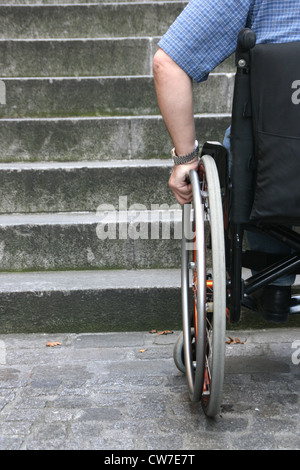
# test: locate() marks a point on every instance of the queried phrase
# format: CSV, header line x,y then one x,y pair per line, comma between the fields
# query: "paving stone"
x,y
84,399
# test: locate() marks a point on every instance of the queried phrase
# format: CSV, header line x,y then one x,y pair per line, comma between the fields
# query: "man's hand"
x,y
178,181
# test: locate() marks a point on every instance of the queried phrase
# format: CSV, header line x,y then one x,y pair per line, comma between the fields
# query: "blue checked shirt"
x,y
205,33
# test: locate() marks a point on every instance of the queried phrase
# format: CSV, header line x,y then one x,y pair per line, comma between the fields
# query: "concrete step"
x,y
88,20
76,57
90,301
81,57
59,2
118,239
104,96
75,139
99,301
110,269
82,186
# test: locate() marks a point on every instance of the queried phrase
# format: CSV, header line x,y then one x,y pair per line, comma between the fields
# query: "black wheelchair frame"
x,y
217,220
269,266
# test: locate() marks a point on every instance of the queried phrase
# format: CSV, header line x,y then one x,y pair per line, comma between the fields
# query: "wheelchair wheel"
x,y
178,354
193,291
204,303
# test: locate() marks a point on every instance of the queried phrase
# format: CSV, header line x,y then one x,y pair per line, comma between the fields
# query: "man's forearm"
x,y
175,100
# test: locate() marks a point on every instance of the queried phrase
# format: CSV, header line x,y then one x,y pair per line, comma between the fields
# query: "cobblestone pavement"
x,y
122,391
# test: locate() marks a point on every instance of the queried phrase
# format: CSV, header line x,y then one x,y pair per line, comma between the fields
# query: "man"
x,y
203,35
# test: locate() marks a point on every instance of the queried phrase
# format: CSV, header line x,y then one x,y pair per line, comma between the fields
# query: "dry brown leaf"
x,y
51,344
230,340
240,342
152,332
165,332
235,341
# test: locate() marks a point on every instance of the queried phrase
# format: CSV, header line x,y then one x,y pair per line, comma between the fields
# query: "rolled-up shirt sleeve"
x,y
205,34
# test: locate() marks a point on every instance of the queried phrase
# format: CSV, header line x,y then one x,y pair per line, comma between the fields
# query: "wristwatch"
x,y
179,160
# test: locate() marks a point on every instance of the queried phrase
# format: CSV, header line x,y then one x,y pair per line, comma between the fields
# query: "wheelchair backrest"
x,y
265,137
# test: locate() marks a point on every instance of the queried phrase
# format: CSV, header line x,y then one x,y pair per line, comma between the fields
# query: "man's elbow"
x,y
166,69
163,65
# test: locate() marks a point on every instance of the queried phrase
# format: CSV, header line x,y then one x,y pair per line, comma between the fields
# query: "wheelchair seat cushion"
x,y
275,94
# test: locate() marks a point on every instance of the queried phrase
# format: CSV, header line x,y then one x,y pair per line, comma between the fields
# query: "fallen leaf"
x,y
142,350
152,332
51,344
165,332
235,341
230,340
240,342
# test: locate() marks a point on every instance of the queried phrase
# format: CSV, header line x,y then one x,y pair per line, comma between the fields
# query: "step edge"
x,y
89,280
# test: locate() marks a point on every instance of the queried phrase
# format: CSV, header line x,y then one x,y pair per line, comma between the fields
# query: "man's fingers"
x,y
184,195
180,184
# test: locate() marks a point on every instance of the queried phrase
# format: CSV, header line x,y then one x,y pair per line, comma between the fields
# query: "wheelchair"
x,y
247,193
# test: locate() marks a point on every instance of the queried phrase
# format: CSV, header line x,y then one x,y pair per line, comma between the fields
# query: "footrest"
x,y
249,302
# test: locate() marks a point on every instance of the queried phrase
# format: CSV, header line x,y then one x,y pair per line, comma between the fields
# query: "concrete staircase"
x,y
89,231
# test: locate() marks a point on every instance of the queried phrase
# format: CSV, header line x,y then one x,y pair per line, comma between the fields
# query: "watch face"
x,y
173,153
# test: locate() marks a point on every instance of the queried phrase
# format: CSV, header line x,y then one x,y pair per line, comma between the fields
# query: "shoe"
x,y
273,303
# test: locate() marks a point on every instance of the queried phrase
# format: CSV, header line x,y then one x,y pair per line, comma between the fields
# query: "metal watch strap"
x,y
179,160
